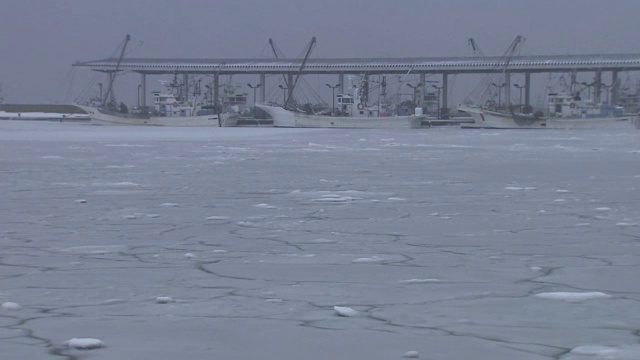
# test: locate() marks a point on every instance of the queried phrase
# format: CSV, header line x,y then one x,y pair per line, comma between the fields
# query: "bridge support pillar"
x,y
444,111
263,87
597,86
289,100
507,91
423,90
185,87
614,87
143,91
527,89
216,92
341,82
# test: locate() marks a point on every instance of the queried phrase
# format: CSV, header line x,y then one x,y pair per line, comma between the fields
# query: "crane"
x,y
304,62
112,76
475,47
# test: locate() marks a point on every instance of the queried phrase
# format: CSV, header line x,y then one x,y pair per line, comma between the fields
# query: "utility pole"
x,y
520,88
438,88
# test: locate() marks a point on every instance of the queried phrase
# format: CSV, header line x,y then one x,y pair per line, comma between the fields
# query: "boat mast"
x,y
112,76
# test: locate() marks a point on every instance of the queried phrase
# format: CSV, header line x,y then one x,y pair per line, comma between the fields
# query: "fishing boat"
x,y
565,111
352,112
166,111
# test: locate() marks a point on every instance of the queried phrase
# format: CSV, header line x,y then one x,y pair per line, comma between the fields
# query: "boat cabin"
x,y
352,105
168,105
566,105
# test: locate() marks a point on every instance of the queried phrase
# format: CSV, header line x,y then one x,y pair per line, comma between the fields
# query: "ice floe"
x,y
165,300
602,352
10,306
418,281
84,343
216,217
96,249
345,311
264,206
573,296
369,260
411,354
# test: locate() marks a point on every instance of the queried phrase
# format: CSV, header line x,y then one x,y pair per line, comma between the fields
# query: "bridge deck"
x,y
451,65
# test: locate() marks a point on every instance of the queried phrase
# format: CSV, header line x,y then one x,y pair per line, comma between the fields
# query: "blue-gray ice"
x,y
263,243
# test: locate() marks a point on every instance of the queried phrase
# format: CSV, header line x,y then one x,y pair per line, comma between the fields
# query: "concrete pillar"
x,y
341,82
112,94
423,89
289,99
444,111
216,93
263,86
365,89
527,89
143,96
597,88
614,87
185,86
507,91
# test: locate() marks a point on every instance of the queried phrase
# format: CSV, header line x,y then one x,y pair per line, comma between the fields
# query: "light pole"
x,y
254,95
520,87
607,88
499,87
415,92
333,97
139,86
210,90
284,95
100,86
438,88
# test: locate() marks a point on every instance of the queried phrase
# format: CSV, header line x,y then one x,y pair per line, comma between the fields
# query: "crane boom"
x,y
112,76
304,62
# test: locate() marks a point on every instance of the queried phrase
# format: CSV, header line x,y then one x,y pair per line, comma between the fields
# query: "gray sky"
x,y
40,39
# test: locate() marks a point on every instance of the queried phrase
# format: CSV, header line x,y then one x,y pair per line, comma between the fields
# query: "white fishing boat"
x,y
565,109
166,111
352,112
566,112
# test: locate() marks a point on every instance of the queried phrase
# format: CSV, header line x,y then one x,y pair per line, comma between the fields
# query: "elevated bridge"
x,y
445,66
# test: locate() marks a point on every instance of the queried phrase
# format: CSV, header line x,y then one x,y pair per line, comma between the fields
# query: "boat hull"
x,y
286,118
485,119
102,117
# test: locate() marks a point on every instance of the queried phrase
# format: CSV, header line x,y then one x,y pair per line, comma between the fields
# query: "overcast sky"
x,y
40,39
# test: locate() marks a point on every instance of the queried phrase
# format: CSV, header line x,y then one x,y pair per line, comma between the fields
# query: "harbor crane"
x,y
112,75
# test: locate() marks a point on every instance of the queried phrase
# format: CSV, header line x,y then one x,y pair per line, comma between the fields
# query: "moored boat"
x,y
167,111
352,112
286,118
565,111
101,116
